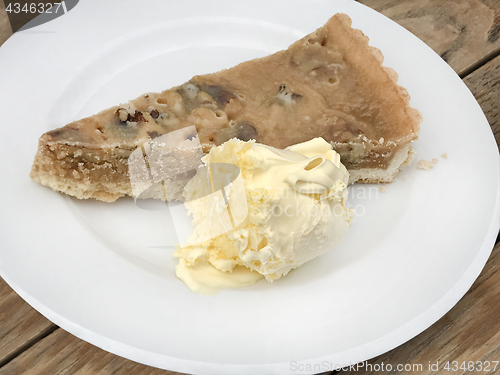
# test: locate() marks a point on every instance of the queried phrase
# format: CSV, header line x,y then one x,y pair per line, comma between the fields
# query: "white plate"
x,y
100,270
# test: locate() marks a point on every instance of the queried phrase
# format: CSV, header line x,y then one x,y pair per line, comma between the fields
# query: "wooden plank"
x,y
464,33
485,85
5,29
63,353
21,325
469,332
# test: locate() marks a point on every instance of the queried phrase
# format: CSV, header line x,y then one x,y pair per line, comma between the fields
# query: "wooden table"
x,y
466,33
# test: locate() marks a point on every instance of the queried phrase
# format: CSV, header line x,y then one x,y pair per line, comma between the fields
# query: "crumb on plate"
x,y
425,165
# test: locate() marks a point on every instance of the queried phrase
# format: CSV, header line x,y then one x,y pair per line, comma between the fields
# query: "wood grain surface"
x,y
21,326
5,29
63,353
466,34
485,85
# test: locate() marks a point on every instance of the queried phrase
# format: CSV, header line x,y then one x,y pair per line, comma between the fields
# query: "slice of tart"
x,y
329,84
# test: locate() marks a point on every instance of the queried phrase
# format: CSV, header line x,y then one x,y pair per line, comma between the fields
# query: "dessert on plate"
x,y
329,84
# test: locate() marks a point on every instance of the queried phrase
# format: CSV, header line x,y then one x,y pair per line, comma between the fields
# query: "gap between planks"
x,y
28,344
478,64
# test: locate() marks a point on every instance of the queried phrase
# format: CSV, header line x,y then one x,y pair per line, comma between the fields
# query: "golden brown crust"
x,y
82,172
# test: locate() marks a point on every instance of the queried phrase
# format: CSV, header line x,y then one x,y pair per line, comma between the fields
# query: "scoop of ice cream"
x,y
294,205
